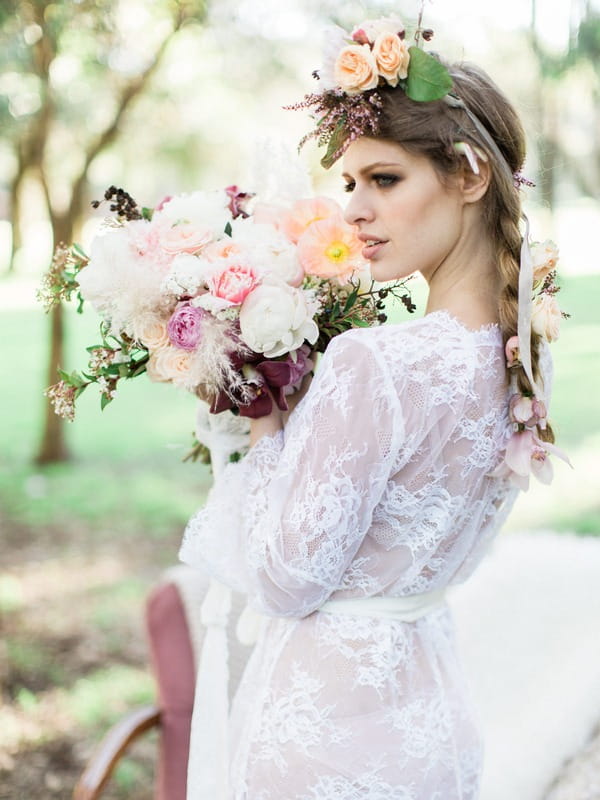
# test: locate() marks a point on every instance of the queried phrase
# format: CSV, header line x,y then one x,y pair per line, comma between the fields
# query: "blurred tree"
x,y
582,56
71,71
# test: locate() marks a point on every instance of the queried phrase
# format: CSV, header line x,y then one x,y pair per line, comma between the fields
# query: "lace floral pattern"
x,y
379,485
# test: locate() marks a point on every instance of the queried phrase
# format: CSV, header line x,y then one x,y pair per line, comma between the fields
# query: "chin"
x,y
384,273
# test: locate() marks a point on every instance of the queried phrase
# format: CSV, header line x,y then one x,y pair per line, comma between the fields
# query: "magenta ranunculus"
x,y
185,327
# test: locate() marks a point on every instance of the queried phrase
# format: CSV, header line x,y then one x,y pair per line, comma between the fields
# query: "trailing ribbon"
x,y
208,761
525,309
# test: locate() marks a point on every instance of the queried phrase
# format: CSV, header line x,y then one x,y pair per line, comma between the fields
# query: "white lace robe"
x,y
379,485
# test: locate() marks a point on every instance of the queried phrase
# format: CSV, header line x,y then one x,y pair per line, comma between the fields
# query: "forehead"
x,y
365,151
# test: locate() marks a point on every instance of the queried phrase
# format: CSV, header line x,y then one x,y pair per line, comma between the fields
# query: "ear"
x,y
473,185
475,173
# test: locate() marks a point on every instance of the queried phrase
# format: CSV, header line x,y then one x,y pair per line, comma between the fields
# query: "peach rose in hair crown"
x,y
355,69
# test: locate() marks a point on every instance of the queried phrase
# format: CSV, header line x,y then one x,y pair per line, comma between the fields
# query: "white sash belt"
x,y
404,609
209,753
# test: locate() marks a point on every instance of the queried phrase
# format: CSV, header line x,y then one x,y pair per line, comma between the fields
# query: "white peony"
x,y
202,209
269,251
275,319
124,275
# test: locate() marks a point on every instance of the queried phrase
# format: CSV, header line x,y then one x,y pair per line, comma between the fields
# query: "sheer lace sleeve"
x,y
284,524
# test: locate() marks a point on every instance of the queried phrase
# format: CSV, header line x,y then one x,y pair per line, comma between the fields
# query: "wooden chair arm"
x,y
111,748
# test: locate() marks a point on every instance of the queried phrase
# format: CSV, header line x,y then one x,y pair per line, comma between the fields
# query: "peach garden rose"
x,y
392,57
546,317
545,258
355,69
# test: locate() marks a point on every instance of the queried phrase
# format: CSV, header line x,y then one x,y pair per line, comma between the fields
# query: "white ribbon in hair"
x,y
525,302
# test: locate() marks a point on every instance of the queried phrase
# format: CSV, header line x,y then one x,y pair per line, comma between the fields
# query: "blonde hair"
x,y
432,129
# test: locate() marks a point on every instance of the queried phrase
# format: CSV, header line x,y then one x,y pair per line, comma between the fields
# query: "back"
x,y
439,508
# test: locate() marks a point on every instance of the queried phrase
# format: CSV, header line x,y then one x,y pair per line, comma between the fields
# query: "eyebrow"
x,y
375,165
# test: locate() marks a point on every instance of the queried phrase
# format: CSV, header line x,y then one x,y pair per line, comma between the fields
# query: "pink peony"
x,y
185,327
234,283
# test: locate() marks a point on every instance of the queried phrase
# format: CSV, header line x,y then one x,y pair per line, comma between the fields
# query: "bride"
x,y
347,520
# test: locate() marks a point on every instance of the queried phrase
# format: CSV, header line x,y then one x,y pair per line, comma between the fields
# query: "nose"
x,y
358,209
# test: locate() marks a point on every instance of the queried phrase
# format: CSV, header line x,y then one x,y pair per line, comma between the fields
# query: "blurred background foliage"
x,y
165,97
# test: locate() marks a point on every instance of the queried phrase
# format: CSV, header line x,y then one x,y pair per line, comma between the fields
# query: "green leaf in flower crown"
x,y
427,79
336,141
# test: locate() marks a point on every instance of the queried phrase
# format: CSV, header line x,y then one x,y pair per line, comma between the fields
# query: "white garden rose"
x,y
275,319
202,209
546,317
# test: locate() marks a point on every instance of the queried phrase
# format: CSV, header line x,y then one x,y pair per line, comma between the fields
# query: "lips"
x,y
372,245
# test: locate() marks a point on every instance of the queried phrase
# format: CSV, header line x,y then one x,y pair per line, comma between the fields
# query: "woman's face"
x,y
407,218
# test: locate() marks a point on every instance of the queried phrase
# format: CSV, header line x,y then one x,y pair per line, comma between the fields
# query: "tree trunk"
x,y
14,199
53,446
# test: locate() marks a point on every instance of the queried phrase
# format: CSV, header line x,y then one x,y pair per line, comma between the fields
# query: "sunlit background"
x,y
164,97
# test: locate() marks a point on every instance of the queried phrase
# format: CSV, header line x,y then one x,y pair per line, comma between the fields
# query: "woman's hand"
x,y
293,399
277,419
267,425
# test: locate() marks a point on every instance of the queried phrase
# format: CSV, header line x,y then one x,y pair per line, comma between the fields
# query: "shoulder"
x,y
435,341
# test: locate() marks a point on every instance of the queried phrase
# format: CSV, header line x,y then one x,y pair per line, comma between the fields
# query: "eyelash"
x,y
382,180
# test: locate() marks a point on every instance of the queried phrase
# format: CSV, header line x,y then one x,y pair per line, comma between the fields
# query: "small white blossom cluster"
x,y
62,397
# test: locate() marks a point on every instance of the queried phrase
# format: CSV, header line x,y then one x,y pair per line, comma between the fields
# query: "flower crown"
x,y
374,55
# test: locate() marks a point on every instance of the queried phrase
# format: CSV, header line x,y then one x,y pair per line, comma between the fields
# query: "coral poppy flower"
x,y
305,212
330,248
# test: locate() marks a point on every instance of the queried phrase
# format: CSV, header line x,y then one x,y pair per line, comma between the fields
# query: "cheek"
x,y
426,219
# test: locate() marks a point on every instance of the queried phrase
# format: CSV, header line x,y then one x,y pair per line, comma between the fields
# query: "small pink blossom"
x,y
238,201
234,283
359,36
185,327
163,202
527,411
512,352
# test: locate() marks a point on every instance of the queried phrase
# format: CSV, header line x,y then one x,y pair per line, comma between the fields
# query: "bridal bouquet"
x,y
217,293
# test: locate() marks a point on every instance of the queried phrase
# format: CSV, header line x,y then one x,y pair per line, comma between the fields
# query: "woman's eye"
x,y
349,187
385,180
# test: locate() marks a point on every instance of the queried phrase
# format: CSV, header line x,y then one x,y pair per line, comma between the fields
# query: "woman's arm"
x,y
285,523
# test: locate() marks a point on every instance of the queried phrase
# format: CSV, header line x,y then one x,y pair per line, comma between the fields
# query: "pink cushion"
x,y
173,663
